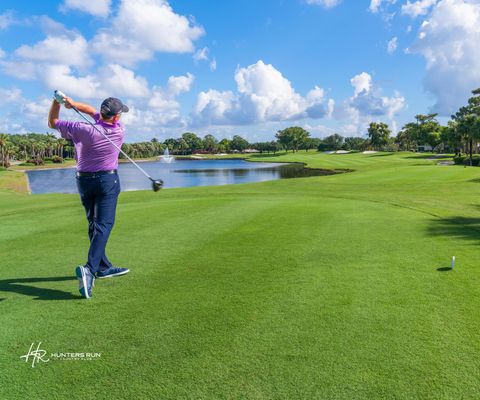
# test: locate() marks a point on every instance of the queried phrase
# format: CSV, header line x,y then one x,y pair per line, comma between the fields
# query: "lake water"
x,y
181,173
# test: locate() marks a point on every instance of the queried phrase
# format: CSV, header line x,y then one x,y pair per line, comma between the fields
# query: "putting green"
x,y
312,288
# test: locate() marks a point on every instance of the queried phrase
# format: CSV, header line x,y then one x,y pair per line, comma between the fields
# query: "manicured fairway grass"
x,y
313,288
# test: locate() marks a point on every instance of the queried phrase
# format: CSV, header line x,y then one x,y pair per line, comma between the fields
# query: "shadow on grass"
x,y
266,155
382,155
444,269
457,227
429,157
17,286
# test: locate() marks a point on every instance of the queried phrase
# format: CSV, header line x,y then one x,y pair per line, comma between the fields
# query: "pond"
x,y
181,173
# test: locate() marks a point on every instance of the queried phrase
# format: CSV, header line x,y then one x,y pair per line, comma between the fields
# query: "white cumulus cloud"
x,y
212,108
143,27
119,81
66,50
120,48
417,8
61,77
376,5
163,107
367,98
110,80
266,91
180,84
449,41
263,94
99,8
316,107
366,103
361,83
162,110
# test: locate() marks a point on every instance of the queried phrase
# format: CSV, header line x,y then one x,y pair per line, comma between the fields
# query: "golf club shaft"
x,y
118,148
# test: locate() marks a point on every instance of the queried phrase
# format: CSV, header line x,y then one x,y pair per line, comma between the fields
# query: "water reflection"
x,y
182,173
216,172
283,171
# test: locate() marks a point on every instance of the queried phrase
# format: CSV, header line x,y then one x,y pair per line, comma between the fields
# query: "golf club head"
x,y
157,185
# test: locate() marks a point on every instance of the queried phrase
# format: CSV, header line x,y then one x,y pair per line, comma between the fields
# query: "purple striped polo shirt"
x,y
93,152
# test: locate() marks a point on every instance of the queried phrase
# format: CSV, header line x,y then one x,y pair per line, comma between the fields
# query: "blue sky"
x,y
239,67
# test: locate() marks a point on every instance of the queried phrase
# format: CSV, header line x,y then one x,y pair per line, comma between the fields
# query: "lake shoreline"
x,y
308,171
182,174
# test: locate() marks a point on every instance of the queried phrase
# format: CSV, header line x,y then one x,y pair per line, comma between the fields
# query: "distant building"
x,y
424,147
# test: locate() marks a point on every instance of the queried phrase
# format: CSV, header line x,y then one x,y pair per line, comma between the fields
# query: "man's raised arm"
x,y
69,103
53,114
82,107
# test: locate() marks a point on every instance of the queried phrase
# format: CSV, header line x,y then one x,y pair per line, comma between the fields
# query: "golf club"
x,y
157,184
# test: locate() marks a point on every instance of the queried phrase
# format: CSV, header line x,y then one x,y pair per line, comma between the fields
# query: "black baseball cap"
x,y
112,106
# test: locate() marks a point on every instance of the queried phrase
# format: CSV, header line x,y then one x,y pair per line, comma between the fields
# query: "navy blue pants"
x,y
99,195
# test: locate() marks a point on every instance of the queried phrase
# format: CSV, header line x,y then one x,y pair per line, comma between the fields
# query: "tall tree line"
x,y
34,148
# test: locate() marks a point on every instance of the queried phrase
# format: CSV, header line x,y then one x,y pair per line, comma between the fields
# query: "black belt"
x,y
98,173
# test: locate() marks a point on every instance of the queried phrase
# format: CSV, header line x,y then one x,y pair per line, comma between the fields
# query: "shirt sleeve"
x,y
72,130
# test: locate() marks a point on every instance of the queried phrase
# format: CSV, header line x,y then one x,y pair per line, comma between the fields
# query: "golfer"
x,y
97,179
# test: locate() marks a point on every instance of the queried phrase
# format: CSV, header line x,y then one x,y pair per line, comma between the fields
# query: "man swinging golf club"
x,y
97,179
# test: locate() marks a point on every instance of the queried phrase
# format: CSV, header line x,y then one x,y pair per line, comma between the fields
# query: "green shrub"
x,y
57,160
26,164
35,161
465,160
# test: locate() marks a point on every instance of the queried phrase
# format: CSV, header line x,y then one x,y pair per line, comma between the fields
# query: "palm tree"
x,y
69,150
467,121
9,150
33,142
3,145
23,146
50,142
61,143
41,148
